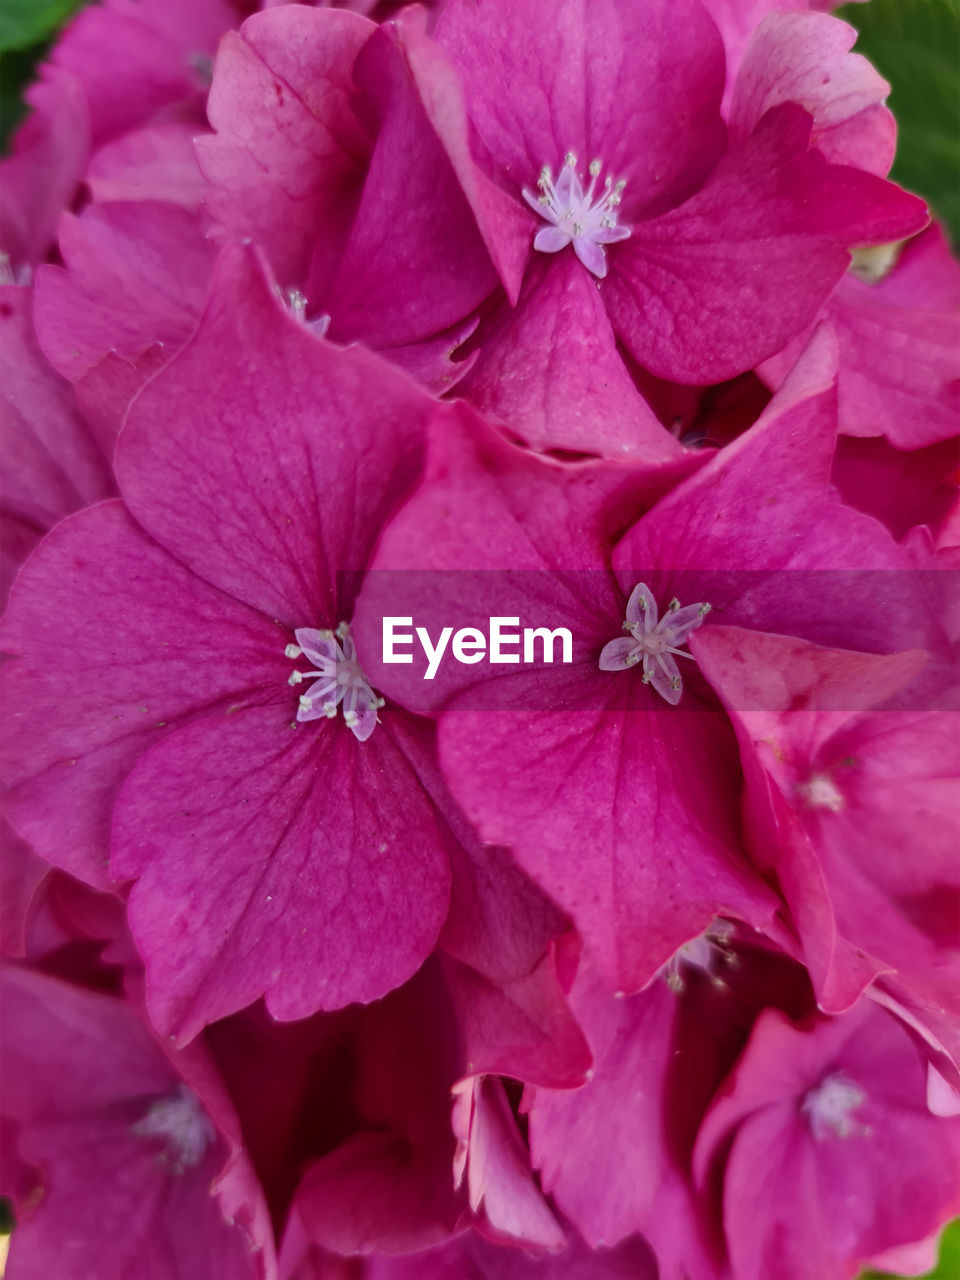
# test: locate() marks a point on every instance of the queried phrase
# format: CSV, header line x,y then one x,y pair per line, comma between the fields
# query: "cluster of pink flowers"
x,y
589,314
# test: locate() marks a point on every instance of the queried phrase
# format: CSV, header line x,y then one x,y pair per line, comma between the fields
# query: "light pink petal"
x,y
500,1179
591,255
615,655
642,607
551,240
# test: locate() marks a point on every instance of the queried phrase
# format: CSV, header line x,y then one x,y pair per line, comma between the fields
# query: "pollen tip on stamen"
x,y
304,702
674,605
293,651
595,167
350,718
570,159
296,677
705,609
329,710
343,629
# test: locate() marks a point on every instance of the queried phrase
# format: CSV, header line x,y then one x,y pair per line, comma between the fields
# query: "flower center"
x,y
654,641
576,216
338,678
297,306
830,1105
182,1124
705,955
822,793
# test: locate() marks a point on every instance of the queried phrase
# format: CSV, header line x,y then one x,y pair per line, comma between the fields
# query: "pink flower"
x,y
828,1154
269,854
94,1102
618,805
53,463
899,341
835,795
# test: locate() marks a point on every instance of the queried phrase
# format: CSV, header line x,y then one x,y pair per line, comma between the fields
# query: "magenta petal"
x,y
805,58
521,1027
783,1178
723,516
499,1176
289,427
156,163
625,817
388,1186
122,1193
51,463
287,160
290,861
133,674
133,59
771,228
550,371
40,177
603,80
136,274
411,267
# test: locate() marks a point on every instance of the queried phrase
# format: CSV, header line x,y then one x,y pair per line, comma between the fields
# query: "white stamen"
x,y
339,680
821,793
180,1121
654,642
297,305
575,217
829,1106
704,955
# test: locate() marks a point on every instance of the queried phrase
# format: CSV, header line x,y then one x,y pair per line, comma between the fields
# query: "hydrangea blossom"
x,y
638,962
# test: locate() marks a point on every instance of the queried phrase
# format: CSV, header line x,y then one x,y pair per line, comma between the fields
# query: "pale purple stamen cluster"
x,y
706,954
339,680
297,306
180,1121
653,641
575,216
830,1105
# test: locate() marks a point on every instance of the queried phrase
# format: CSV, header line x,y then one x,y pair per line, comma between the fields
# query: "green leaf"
x,y
914,44
27,22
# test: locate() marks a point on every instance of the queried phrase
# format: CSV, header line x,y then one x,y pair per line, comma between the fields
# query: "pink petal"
x,y
551,239
805,58
615,654
284,916
771,228
549,370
